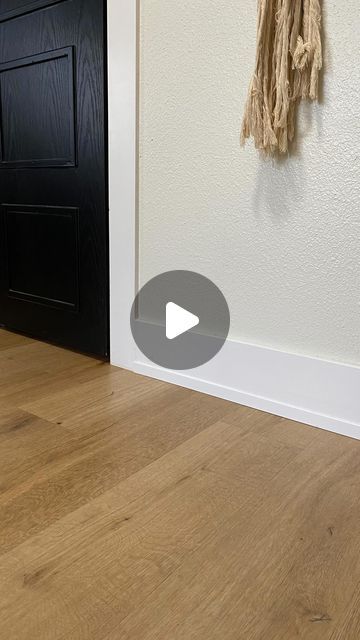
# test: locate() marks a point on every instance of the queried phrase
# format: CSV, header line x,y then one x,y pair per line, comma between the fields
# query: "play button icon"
x,y
180,320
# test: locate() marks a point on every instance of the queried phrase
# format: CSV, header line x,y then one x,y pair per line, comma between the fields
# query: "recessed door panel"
x,y
37,110
13,8
42,255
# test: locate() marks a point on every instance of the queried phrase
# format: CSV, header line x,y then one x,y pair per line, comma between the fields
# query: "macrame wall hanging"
x,y
288,62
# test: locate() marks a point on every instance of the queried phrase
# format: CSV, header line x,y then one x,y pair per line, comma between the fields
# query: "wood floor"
x,y
131,509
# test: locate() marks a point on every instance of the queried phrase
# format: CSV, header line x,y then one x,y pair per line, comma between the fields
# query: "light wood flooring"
x,y
131,509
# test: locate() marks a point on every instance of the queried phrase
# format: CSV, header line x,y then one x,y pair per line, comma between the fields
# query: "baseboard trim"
x,y
316,392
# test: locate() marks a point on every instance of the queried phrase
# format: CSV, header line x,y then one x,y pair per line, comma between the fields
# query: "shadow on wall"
x,y
281,181
278,186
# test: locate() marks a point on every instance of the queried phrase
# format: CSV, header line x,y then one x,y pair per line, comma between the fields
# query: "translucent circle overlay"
x,y
192,292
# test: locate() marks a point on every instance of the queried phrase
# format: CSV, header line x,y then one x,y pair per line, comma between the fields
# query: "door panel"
x,y
42,258
12,8
40,130
53,174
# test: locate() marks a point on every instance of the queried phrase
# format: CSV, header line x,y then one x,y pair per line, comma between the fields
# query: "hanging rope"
x,y
288,62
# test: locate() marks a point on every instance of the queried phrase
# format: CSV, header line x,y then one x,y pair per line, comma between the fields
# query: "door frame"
x,y
122,34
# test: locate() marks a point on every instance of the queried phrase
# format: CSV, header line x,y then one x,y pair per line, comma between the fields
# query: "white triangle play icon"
x,y
178,320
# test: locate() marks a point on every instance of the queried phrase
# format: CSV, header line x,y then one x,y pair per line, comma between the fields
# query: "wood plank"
x,y
23,388
25,367
349,623
269,426
127,541
10,340
274,573
72,471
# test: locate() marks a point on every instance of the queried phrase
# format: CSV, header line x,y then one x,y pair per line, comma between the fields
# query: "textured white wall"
x,y
282,240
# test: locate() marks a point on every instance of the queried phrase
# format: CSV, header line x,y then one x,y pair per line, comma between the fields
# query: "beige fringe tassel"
x,y
288,62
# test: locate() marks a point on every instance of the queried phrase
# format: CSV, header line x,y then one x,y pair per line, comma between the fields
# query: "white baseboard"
x,y
316,392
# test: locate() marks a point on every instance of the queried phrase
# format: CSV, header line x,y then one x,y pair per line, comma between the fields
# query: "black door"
x,y
53,174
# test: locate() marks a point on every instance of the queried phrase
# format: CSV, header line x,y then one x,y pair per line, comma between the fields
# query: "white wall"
x,y
281,240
